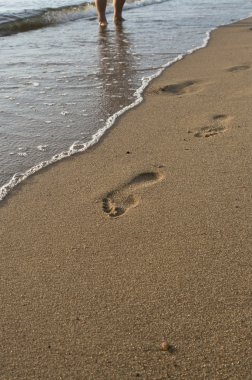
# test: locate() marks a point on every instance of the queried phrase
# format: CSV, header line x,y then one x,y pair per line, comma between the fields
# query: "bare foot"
x,y
118,20
103,22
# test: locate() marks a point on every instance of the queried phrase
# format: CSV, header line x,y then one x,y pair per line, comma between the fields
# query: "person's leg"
x,y
118,6
101,9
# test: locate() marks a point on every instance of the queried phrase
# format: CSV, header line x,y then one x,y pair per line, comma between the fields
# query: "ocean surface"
x,y
64,80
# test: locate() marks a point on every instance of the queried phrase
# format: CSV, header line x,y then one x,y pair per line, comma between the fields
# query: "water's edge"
x,y
75,147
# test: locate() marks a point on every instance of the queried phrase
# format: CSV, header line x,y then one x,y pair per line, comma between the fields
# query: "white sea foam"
x,y
42,148
21,154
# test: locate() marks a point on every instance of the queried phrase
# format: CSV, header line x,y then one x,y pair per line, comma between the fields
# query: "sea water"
x,y
64,80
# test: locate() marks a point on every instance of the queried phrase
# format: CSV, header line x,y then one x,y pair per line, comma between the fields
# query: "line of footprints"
x,y
117,202
219,122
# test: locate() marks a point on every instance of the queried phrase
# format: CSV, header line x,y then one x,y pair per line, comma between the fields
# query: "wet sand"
x,y
145,235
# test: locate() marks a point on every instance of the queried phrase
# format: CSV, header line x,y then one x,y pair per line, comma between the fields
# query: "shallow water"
x,y
62,83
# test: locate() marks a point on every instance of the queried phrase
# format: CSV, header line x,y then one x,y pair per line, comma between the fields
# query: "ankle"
x,y
118,17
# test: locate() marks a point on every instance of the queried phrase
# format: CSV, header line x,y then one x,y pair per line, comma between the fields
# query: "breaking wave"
x,y
37,19
32,20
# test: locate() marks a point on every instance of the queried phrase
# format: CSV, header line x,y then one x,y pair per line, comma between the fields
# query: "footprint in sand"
x,y
218,125
119,201
238,68
209,131
182,88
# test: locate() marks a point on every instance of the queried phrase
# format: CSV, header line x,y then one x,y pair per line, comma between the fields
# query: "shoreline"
x,y
19,178
145,235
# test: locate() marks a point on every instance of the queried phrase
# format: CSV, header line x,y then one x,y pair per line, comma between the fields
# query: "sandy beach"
x,y
146,235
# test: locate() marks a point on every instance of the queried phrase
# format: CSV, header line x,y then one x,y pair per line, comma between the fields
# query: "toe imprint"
x,y
209,131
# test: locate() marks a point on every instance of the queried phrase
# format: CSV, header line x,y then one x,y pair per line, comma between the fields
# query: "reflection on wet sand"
x,y
116,70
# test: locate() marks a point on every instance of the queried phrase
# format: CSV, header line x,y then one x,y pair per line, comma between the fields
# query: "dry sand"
x,y
145,235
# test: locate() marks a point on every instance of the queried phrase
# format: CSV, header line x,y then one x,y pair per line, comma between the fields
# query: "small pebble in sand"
x,y
165,345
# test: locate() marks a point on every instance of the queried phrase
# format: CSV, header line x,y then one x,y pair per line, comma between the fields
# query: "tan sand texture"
x,y
133,260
